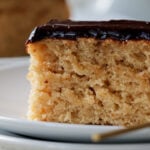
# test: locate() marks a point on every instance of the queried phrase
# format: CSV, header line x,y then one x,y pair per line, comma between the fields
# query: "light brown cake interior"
x,y
90,81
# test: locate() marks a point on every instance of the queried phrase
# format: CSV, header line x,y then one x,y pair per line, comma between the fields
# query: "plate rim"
x,y
49,145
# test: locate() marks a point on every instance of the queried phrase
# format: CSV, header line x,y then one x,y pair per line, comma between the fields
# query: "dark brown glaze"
x,y
115,29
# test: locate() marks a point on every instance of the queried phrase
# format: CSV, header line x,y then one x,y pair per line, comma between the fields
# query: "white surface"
x,y
7,61
13,106
109,9
9,141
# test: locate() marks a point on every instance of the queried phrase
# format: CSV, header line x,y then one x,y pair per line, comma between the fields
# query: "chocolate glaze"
x,y
115,29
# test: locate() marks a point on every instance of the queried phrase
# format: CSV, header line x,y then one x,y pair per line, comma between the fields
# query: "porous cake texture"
x,y
90,79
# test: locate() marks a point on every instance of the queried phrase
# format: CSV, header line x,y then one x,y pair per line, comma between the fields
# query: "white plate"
x,y
9,141
14,91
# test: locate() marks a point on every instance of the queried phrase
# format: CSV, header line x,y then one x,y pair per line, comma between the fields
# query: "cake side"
x,y
90,81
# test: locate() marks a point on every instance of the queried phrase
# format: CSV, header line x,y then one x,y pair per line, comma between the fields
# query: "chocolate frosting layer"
x,y
115,29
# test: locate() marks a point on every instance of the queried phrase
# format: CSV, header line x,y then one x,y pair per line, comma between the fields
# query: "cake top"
x,y
115,29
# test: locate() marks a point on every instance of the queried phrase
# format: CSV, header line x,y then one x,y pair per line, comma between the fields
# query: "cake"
x,y
90,72
19,17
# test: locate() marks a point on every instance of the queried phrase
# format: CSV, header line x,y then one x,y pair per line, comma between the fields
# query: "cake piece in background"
x,y
19,17
90,72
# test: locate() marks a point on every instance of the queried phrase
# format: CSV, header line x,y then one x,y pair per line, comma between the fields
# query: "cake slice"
x,y
90,72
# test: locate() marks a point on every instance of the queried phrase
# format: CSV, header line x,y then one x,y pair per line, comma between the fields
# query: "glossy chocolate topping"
x,y
115,29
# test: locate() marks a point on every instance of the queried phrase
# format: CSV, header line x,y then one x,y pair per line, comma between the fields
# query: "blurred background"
x,y
19,17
